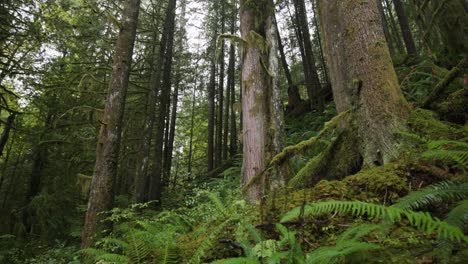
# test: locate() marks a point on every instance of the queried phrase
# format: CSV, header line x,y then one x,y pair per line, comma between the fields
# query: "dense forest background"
x,y
224,131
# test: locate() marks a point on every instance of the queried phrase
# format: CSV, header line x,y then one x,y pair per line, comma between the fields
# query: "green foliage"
x,y
458,216
436,193
347,244
422,221
448,151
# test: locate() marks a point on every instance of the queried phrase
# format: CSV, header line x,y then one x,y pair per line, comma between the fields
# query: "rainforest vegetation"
x,y
233,131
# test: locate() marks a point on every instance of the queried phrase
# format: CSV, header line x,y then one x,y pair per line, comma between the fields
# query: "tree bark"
x,y
363,78
322,59
388,37
7,159
260,119
142,176
312,81
156,181
405,27
393,26
219,119
232,87
6,132
192,122
170,146
102,186
284,62
211,102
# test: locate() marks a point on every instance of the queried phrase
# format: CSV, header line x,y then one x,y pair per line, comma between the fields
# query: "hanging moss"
x,y
305,145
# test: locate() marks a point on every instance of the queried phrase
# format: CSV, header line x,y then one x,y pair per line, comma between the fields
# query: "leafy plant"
x,y
423,221
347,244
435,193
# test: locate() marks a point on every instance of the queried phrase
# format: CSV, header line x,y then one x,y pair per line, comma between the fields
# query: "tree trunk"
x,y
7,159
284,62
156,181
219,118
388,37
312,80
232,86
261,134
6,132
405,27
211,103
192,122
102,186
363,78
13,179
170,146
393,26
142,176
322,59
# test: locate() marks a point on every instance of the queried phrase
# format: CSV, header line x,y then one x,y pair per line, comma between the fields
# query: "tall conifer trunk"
x,y
312,81
156,182
405,27
262,122
101,196
363,78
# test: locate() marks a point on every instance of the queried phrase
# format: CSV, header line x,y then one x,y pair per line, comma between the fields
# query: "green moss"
x,y
427,124
303,146
387,181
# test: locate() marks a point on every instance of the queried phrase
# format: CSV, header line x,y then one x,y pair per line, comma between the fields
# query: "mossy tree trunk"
x,y
363,78
261,112
101,196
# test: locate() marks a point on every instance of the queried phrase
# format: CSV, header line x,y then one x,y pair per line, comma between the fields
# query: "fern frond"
x,y
138,249
242,260
99,254
114,258
115,241
169,256
422,221
452,144
334,254
214,198
458,157
356,232
458,216
208,242
412,137
436,193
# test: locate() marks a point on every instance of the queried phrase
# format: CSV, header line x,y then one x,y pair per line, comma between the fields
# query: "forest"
x,y
233,131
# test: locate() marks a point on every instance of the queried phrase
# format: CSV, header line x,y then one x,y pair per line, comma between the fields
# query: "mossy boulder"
x,y
383,182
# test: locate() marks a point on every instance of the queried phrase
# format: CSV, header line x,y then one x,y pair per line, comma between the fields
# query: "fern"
x,y
208,242
169,256
242,260
449,151
435,193
357,232
456,157
458,216
422,221
333,254
98,254
347,243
